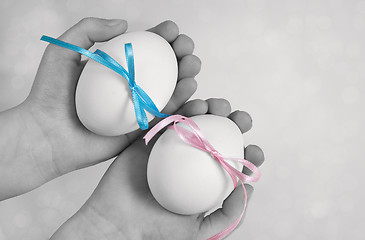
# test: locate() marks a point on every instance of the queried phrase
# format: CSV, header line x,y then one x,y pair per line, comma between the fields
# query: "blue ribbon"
x,y
141,101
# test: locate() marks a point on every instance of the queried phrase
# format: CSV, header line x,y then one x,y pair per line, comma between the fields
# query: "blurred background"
x,y
297,66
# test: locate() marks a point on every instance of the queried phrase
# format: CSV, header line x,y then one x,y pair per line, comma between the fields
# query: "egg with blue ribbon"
x,y
128,81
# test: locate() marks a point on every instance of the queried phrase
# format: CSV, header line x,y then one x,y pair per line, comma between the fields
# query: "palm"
x,y
55,110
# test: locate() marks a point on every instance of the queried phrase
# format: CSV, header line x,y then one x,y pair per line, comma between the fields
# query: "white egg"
x,y
186,180
103,99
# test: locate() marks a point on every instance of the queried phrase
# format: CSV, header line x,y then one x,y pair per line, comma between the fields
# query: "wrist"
x,y
24,153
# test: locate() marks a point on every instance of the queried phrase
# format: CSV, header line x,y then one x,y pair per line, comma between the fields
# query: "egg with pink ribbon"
x,y
187,180
103,98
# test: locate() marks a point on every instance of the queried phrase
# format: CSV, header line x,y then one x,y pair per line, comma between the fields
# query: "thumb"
x,y
228,214
86,32
60,68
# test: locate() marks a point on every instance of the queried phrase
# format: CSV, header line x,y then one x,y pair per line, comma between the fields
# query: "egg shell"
x,y
103,99
186,180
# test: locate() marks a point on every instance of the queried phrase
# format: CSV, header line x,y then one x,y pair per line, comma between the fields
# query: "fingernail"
x,y
116,22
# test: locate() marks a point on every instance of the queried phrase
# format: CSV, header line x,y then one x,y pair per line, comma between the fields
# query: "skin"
x,y
42,139
122,206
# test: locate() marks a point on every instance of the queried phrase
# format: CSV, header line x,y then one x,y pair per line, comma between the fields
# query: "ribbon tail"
x,y
230,170
140,114
149,104
130,62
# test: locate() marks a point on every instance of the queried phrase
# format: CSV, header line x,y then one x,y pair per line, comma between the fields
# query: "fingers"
x,y
88,31
242,119
168,30
183,45
255,155
185,88
193,108
228,214
216,106
189,66
219,106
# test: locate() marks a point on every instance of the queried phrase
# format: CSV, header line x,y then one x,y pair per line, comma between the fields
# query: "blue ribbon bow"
x,y
141,101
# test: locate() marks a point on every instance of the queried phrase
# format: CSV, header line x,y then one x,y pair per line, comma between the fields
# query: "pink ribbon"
x,y
196,139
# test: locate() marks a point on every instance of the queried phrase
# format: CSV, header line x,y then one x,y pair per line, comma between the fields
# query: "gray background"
x,y
297,66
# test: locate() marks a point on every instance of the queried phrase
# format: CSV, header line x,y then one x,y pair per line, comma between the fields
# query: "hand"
x,y
122,206
48,139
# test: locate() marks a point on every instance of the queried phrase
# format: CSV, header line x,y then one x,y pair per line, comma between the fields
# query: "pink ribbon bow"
x,y
196,139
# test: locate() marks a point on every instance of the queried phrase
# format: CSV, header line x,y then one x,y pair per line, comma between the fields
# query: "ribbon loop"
x,y
196,139
141,101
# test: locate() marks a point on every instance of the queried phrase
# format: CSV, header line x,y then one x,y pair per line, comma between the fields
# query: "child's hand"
x,y
122,206
48,139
